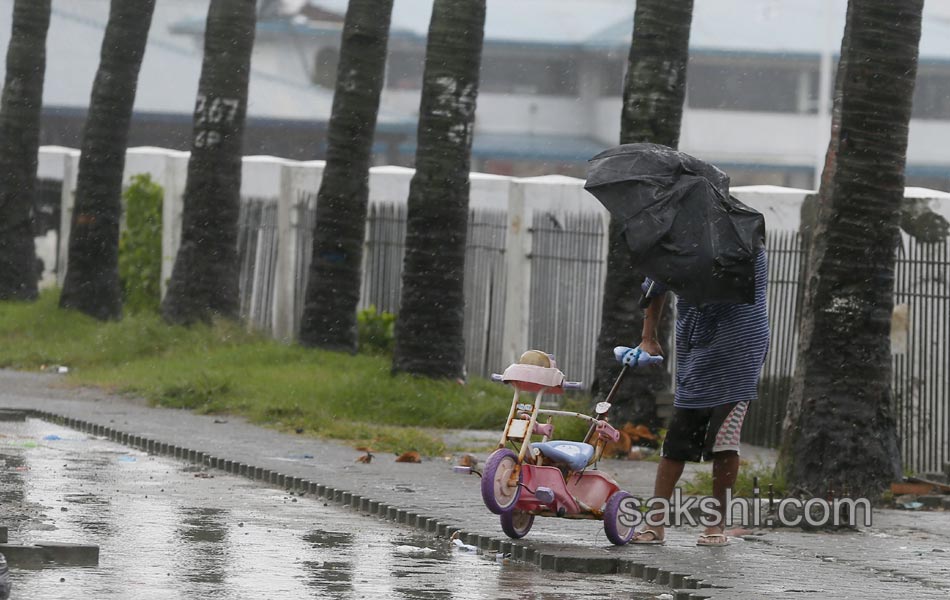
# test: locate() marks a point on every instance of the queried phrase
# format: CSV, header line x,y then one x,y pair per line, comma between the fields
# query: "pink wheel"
x,y
499,492
620,518
516,523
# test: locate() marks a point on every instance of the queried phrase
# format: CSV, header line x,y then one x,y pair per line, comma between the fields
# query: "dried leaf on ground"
x,y
409,457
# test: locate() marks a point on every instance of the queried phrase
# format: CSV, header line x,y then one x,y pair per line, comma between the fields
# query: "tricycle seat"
x,y
532,378
575,455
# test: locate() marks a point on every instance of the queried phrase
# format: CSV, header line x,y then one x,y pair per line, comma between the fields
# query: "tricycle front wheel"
x,y
516,523
619,521
500,491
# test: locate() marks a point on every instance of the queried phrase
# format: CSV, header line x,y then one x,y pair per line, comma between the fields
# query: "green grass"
x,y
225,369
701,484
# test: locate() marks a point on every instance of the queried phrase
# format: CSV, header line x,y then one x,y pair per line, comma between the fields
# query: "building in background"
x,y
758,88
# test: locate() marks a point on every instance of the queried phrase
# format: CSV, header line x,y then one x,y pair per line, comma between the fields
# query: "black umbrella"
x,y
683,228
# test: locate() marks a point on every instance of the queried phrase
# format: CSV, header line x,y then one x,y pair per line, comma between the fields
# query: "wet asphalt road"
x,y
171,530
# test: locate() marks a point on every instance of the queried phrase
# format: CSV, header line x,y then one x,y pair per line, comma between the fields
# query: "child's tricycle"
x,y
551,478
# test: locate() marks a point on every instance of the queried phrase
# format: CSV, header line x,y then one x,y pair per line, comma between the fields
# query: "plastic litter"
x,y
52,438
406,549
126,458
463,547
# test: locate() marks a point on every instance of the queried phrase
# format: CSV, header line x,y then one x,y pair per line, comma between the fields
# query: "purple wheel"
x,y
498,491
516,523
620,518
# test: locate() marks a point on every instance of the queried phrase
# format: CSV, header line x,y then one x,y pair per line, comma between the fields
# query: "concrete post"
x,y
70,175
173,204
517,275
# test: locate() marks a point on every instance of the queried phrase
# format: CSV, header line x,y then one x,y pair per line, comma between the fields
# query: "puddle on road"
x,y
165,533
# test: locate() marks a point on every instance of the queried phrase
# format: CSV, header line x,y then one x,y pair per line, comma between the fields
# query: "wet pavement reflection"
x,y
170,530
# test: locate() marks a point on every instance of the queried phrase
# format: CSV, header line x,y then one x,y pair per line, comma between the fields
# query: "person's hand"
x,y
651,347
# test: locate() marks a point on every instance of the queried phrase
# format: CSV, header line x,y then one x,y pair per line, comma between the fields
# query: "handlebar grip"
x,y
497,377
573,385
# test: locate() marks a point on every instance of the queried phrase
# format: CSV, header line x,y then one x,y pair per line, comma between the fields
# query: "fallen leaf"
x,y
409,457
468,460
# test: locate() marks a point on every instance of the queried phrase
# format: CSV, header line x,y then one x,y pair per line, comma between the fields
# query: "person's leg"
x,y
684,442
668,473
722,447
725,468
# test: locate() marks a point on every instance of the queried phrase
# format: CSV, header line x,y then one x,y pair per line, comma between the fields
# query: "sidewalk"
x,y
903,554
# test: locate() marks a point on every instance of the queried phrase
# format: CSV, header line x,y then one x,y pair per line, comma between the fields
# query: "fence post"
x,y
173,205
517,275
284,277
70,176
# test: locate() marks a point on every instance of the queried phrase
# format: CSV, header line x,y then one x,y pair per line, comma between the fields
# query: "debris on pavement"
x,y
409,457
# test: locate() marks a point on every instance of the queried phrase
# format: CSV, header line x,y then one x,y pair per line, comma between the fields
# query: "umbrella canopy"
x,y
682,226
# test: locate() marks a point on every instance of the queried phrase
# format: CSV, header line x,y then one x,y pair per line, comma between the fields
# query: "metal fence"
x,y
919,342
257,255
567,265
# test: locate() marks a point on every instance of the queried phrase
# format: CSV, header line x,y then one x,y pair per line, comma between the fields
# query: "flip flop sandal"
x,y
712,539
638,538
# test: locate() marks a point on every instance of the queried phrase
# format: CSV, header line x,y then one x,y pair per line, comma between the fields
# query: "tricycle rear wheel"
x,y
516,523
499,492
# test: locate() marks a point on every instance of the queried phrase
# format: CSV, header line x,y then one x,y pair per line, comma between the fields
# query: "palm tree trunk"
x,y
429,329
840,428
92,276
204,281
19,144
654,91
333,288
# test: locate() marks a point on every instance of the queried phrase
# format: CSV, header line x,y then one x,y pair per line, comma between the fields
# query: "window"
x,y
522,75
932,96
324,67
404,71
749,87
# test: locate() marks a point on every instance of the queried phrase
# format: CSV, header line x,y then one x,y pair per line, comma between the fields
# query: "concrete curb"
x,y
681,584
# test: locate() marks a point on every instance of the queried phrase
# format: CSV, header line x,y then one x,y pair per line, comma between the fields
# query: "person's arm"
x,y
651,321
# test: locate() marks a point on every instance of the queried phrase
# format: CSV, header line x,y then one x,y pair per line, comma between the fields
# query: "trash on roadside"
x,y
409,457
460,545
52,437
641,452
912,505
665,597
127,458
204,475
406,549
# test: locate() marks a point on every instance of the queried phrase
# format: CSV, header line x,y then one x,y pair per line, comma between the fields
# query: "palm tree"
x,y
19,144
92,276
840,428
333,289
204,280
429,338
654,90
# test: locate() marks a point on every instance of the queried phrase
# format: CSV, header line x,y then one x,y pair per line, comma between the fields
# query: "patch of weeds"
x,y
701,484
205,393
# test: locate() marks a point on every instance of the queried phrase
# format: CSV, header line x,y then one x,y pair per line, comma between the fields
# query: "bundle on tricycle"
x,y
523,479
